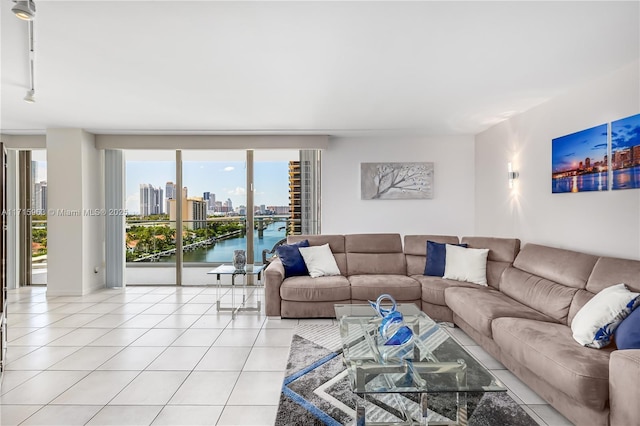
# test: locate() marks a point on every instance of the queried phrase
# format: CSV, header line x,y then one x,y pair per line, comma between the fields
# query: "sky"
x,y
226,179
625,133
568,151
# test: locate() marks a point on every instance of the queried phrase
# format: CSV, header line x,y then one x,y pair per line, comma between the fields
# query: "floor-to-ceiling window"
x,y
150,226
272,197
200,201
38,213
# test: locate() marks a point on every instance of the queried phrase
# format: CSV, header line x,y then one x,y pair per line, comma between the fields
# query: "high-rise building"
x,y
39,197
151,200
170,190
635,151
194,212
304,180
295,203
169,193
210,199
228,205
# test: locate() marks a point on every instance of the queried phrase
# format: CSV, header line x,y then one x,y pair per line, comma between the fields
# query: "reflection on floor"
x,y
159,355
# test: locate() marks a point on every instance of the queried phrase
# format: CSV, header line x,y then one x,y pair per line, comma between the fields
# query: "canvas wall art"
x,y
625,152
396,181
579,161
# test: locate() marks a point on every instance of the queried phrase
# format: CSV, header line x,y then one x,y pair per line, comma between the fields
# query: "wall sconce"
x,y
513,175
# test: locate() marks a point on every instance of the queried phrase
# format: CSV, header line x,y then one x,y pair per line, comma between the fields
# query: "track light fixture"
x,y
25,10
31,97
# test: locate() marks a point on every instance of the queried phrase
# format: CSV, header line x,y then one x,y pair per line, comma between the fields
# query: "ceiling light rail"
x,y
26,10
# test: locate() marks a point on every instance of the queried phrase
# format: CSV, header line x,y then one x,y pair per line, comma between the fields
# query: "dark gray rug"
x,y
316,391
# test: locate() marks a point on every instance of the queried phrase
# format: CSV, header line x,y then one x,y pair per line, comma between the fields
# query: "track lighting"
x,y
31,97
25,10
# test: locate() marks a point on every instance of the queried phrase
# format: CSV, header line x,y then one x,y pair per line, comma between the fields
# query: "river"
x,y
222,251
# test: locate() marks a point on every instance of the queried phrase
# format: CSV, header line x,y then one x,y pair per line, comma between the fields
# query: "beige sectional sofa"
x,y
371,264
522,317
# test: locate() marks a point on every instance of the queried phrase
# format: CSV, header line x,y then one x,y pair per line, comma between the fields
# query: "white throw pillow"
x,y
466,264
320,261
595,322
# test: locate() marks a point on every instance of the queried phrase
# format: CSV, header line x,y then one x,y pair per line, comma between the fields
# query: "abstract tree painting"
x,y
396,181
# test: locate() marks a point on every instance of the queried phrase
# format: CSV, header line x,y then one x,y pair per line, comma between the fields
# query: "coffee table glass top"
x,y
431,362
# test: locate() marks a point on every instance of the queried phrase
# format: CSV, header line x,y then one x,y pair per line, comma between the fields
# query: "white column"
x,y
76,215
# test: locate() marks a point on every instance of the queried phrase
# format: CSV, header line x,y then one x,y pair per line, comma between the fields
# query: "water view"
x,y
222,250
626,178
581,183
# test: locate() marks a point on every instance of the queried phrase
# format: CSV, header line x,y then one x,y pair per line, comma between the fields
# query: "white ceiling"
x,y
304,67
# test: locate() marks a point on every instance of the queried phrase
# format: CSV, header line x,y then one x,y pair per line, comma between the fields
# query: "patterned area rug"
x,y
316,391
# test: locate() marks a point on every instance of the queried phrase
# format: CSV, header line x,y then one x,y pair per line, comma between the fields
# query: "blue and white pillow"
x,y
594,324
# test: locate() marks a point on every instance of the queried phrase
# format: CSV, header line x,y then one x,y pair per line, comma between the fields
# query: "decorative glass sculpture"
x,y
392,330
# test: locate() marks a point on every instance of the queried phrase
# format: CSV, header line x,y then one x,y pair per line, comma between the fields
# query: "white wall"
x,y
603,223
75,241
450,211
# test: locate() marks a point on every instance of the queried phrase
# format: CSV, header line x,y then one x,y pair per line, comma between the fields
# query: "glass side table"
x,y
248,270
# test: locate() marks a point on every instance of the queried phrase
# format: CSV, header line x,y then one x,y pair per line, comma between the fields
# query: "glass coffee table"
x,y
248,270
425,381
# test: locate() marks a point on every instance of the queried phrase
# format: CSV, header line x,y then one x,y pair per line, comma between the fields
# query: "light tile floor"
x,y
161,356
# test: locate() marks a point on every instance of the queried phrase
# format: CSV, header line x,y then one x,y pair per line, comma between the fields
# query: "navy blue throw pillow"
x,y
627,334
289,255
436,258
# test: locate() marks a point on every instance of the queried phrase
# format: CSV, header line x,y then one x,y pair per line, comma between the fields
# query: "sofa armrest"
x,y
624,392
273,277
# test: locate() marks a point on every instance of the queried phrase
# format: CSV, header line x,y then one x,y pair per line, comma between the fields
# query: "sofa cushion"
x,y
627,335
336,243
307,289
375,254
479,306
414,250
502,252
466,264
320,261
437,258
541,294
433,288
610,271
292,260
595,323
549,350
369,287
566,267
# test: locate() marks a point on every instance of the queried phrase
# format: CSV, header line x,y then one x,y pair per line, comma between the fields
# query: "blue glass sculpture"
x,y
392,329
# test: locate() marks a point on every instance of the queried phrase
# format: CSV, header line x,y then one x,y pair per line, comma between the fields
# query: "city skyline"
x,y
225,179
569,151
625,133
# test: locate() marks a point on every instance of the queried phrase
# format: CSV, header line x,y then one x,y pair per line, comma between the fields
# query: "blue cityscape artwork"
x,y
579,161
625,152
